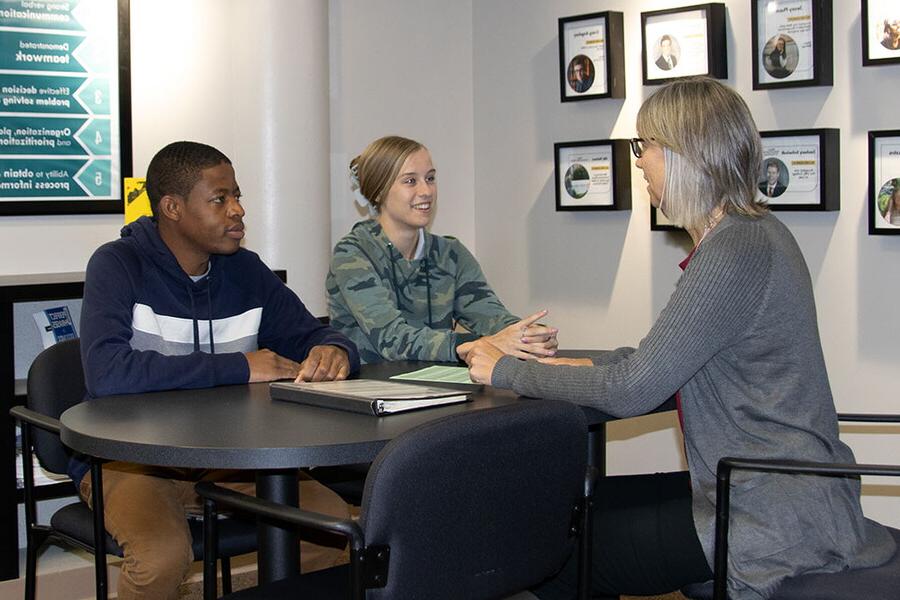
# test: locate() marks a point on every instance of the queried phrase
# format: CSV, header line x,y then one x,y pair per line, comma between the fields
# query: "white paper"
x,y
687,32
799,164
884,29
586,176
887,180
585,53
785,40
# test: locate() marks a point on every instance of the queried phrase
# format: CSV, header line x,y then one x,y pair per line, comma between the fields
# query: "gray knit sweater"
x,y
739,338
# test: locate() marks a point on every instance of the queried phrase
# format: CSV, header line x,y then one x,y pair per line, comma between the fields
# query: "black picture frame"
x,y
103,204
879,46
801,45
884,182
612,156
611,73
659,222
657,21
808,165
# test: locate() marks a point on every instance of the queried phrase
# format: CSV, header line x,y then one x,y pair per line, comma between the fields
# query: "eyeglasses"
x,y
638,145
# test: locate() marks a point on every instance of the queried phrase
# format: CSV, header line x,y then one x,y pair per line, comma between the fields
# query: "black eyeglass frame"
x,y
637,146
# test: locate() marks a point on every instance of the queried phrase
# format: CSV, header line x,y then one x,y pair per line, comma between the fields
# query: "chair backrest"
x,y
55,382
479,504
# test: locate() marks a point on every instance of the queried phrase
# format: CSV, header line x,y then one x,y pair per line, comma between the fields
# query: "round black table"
x,y
240,427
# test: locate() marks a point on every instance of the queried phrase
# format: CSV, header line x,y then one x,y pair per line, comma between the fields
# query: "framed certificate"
x,y
884,182
880,32
660,222
800,170
592,175
65,116
792,43
591,57
679,42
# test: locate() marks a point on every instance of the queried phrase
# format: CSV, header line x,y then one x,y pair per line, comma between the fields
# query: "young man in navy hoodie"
x,y
177,303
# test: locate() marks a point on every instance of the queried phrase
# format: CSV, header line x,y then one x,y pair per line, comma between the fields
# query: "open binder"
x,y
368,396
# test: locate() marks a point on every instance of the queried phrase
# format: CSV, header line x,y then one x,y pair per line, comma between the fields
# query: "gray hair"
x,y
711,146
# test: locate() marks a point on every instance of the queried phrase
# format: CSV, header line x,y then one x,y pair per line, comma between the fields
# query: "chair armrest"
x,y
281,512
20,413
794,467
868,418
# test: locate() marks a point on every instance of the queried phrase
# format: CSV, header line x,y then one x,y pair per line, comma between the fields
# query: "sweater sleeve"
x,y
111,366
475,305
715,301
290,330
372,304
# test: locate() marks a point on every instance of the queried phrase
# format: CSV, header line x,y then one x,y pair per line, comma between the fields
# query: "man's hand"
x,y
265,365
324,363
481,356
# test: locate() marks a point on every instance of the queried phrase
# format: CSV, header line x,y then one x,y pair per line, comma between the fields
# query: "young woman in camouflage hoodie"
x,y
397,290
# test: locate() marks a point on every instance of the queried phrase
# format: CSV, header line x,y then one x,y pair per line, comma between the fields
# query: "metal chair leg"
x,y
30,569
226,575
99,529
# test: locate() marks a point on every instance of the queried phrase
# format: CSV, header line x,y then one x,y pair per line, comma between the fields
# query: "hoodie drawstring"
x,y
396,285
209,319
212,341
194,320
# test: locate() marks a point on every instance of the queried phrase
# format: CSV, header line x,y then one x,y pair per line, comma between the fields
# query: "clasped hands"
x,y
323,363
526,339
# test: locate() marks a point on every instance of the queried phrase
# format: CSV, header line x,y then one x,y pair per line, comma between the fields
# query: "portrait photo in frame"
x,y
800,170
792,43
592,175
591,57
884,182
680,42
880,32
66,108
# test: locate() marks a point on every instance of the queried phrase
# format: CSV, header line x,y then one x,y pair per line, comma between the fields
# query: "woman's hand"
x,y
569,362
481,356
526,338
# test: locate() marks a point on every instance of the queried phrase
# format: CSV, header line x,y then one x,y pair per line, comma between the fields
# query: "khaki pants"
x,y
146,512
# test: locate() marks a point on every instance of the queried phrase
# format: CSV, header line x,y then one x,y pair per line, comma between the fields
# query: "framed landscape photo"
x,y
880,32
884,182
591,57
800,170
792,43
65,116
679,42
592,175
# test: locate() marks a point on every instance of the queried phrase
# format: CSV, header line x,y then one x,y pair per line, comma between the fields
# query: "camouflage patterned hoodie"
x,y
399,309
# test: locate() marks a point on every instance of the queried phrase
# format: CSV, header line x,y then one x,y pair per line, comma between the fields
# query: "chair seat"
x,y
877,583
322,585
236,536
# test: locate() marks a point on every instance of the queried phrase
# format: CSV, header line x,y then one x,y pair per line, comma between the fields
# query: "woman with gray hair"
x,y
738,346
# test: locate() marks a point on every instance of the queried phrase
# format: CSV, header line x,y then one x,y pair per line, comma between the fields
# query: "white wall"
x,y
247,77
605,276
404,68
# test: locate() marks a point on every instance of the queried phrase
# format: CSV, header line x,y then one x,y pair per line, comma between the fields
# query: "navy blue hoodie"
x,y
147,326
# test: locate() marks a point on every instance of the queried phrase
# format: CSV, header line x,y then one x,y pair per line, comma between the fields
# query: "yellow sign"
x,y
137,204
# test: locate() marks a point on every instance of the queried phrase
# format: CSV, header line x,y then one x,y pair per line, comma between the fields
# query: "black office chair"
x,y
56,382
480,504
877,583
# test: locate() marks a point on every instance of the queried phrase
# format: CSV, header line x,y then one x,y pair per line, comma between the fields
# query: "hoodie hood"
x,y
143,234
